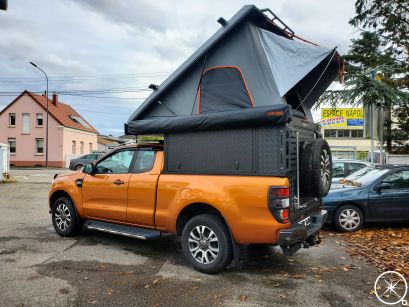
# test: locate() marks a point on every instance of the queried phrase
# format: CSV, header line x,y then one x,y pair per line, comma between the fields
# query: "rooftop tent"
x,y
248,68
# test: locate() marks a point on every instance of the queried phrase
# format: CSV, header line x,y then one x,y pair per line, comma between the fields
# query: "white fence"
x,y
4,161
397,159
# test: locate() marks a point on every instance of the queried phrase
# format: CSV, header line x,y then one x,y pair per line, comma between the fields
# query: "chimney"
x,y
55,99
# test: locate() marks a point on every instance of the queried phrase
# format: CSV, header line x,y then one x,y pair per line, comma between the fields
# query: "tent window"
x,y
223,88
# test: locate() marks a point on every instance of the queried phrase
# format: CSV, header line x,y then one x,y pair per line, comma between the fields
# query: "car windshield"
x,y
364,176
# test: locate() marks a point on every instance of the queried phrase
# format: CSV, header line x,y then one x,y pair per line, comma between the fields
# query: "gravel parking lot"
x,y
39,268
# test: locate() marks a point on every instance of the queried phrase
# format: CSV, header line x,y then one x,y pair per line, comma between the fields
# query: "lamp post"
x,y
46,121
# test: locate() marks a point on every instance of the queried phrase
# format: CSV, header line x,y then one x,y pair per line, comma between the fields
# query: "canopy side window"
x,y
223,88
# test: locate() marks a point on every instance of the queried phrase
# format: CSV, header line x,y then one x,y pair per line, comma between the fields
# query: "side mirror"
x,y
383,186
88,168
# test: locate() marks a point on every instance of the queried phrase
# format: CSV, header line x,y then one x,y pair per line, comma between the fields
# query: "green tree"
x,y
382,48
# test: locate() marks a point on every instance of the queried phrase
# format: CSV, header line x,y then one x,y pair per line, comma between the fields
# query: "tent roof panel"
x,y
246,13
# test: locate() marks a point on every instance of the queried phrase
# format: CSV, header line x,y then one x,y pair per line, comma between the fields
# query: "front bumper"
x,y
302,233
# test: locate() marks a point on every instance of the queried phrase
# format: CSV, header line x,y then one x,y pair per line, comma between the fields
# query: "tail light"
x,y
279,203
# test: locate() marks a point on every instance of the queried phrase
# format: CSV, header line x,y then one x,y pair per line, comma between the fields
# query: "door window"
x,y
353,167
144,160
398,180
338,170
117,163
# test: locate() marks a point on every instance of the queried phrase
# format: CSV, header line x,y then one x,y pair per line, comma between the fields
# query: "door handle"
x,y
118,182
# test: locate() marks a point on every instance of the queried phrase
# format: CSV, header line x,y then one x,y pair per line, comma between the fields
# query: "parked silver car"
x,y
78,163
342,168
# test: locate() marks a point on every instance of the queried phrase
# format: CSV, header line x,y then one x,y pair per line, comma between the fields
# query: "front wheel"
x,y
348,218
206,243
66,222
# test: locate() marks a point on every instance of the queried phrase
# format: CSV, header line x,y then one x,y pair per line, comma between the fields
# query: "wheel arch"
x,y
195,209
61,193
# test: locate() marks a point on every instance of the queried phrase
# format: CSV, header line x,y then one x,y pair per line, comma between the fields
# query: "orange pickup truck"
x,y
126,192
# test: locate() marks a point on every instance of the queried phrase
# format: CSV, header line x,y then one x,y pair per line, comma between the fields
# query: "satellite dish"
x,y
3,5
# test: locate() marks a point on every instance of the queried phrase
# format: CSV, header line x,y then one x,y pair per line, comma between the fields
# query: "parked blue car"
x,y
373,194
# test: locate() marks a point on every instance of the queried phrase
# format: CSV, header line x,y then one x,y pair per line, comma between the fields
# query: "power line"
x,y
110,97
90,91
82,78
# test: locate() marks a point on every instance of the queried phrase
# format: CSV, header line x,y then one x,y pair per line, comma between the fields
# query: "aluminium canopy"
x,y
250,71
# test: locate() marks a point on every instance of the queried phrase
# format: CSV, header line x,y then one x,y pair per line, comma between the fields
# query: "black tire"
x,y
66,222
224,244
78,167
306,185
341,220
316,168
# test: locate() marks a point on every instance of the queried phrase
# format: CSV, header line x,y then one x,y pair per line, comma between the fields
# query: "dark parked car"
x,y
381,194
78,163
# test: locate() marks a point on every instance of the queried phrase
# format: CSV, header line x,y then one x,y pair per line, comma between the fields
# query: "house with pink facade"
x,y
23,127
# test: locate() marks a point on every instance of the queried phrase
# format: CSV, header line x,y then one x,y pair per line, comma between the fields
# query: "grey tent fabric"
x,y
289,60
274,70
223,89
267,115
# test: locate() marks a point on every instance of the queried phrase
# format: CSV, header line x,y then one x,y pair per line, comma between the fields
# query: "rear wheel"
x,y
206,243
348,218
66,222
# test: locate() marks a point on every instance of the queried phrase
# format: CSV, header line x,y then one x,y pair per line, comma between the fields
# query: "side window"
x,y
338,170
397,180
144,160
405,179
117,163
353,167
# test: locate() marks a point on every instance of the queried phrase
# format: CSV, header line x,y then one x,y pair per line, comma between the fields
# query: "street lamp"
x,y
46,121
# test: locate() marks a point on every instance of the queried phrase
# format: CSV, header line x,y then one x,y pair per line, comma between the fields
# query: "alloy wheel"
x,y
203,244
349,219
62,217
325,169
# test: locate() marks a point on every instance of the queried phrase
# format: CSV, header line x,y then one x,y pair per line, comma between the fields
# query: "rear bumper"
x,y
302,232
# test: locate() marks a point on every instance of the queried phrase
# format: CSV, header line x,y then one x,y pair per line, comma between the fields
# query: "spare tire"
x,y
315,168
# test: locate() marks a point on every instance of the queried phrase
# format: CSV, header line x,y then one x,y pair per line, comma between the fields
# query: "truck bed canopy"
x,y
250,65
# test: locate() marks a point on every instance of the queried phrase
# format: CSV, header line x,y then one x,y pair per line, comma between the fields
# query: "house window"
x,y
26,123
39,119
74,147
344,133
82,147
357,134
12,144
330,133
90,147
39,146
12,119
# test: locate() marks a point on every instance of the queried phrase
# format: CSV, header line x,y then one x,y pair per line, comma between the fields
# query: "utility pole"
x,y
46,121
371,126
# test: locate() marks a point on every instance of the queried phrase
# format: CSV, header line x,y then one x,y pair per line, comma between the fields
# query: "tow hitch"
x,y
301,235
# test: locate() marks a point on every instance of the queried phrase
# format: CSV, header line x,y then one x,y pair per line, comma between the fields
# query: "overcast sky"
x,y
129,44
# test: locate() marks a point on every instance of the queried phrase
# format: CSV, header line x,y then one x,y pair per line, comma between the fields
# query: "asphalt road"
x,y
39,268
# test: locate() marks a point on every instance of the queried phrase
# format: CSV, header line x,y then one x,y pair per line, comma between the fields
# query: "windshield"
x,y
360,173
364,176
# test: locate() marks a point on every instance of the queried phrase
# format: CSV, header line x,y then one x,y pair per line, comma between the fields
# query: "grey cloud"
x,y
137,14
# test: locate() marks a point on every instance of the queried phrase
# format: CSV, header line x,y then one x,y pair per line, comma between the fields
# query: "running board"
x,y
122,230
